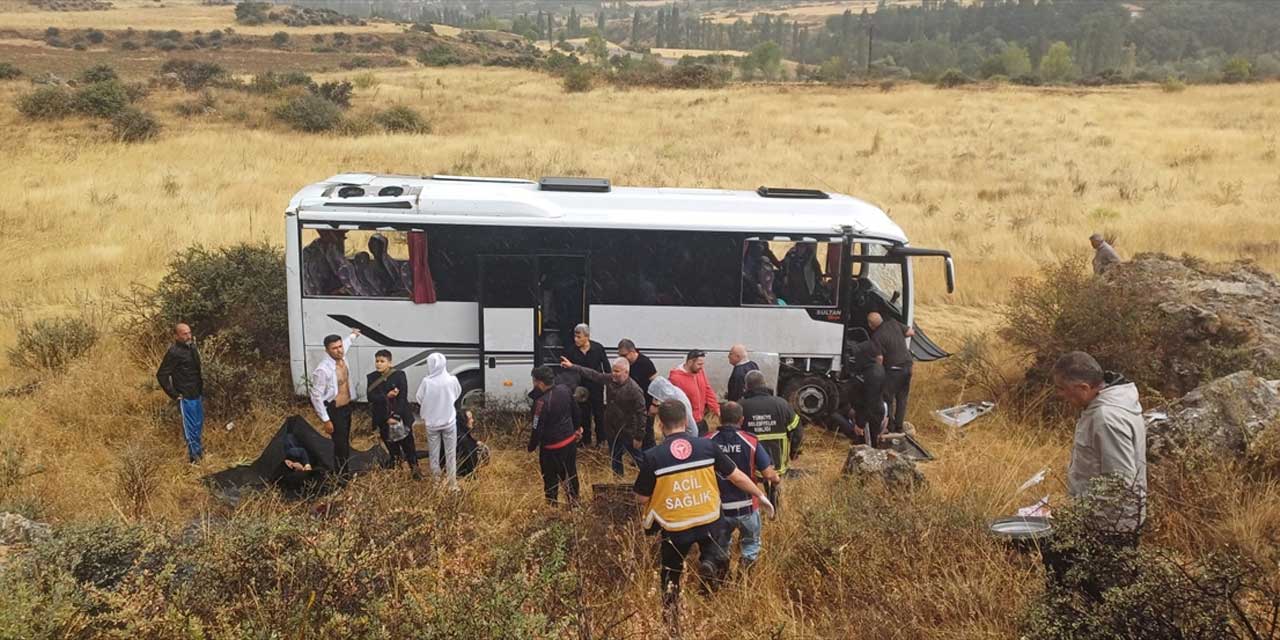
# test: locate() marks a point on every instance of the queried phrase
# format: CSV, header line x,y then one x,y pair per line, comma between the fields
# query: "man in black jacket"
x,y
388,392
589,354
892,336
643,372
179,375
554,435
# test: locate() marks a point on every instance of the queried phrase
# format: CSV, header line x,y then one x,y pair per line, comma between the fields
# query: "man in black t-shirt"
x,y
589,354
891,336
643,372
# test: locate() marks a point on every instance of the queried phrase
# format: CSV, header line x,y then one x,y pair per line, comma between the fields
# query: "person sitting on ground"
x,y
296,457
742,365
772,420
1104,256
691,378
738,510
680,494
624,414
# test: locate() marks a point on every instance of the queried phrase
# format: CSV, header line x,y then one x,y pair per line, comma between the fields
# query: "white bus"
x,y
495,272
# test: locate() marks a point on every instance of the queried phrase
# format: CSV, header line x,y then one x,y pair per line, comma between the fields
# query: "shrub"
x,y
236,292
98,73
269,82
252,13
438,56
358,62
47,103
51,344
166,45
194,75
1026,80
952,78
202,104
8,71
310,113
280,39
102,99
95,36
129,45
1237,70
338,93
366,80
579,80
134,125
1172,84
401,119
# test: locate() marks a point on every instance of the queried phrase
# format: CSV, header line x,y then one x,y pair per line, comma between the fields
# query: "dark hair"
x,y
382,353
544,374
730,413
695,354
1079,366
330,339
671,413
626,343
755,380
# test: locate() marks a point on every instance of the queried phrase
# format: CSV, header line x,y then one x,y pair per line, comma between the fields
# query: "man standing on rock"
x,y
1104,256
181,378
1110,441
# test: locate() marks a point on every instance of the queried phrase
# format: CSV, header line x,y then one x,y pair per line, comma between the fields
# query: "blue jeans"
x,y
193,425
749,525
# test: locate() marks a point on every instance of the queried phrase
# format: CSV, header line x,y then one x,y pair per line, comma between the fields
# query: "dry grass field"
x,y
811,12
187,15
1006,178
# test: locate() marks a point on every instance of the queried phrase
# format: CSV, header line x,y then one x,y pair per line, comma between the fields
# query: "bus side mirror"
x,y
951,275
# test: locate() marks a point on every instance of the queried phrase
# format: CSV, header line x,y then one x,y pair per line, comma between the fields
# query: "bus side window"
x,y
806,276
356,263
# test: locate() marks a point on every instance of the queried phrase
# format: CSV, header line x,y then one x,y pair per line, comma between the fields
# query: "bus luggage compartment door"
x,y
508,315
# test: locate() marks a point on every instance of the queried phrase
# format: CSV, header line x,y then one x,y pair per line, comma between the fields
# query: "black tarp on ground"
x,y
269,468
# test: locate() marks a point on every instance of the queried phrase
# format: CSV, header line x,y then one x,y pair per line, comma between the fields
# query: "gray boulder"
x,y
1225,416
895,470
16,529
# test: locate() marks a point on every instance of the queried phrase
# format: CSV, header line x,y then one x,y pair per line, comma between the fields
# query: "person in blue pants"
x,y
180,377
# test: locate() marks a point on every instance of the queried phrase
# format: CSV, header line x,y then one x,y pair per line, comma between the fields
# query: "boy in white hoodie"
x,y
436,397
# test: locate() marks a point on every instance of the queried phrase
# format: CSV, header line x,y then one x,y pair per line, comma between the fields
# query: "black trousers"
x,y
870,409
559,466
404,448
341,419
593,412
702,427
897,387
649,440
672,553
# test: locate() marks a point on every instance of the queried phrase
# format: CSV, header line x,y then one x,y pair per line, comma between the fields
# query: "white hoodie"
x,y
437,395
663,390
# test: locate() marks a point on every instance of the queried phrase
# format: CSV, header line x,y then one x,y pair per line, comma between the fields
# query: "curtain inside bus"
x,y
424,287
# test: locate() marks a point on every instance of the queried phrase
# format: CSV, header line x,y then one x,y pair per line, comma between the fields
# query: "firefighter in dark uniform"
x,y
679,491
772,420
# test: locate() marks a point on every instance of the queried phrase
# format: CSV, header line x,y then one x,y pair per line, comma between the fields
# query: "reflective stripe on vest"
x,y
685,496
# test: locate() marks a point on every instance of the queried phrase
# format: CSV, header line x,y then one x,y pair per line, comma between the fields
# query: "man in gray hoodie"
x,y
1110,438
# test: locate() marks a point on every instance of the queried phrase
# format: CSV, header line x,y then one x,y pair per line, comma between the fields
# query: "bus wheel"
x,y
813,397
472,390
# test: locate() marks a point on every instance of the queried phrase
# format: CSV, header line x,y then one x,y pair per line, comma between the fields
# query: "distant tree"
x,y
597,48
1237,70
767,57
1015,61
635,30
280,39
575,23
1056,65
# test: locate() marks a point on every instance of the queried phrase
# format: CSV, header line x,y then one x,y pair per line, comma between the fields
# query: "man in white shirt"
x,y
333,391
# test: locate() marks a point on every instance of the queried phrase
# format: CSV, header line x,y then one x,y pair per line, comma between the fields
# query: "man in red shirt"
x,y
691,378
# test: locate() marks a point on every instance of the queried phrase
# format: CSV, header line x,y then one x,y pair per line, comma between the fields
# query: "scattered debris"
x,y
896,470
17,529
1038,510
906,444
1227,415
1034,480
962,414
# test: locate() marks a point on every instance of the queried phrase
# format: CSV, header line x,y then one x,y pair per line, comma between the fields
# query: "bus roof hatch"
x,y
785,192
587,185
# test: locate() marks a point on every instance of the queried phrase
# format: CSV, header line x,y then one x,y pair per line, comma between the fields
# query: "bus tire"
x,y
472,390
813,397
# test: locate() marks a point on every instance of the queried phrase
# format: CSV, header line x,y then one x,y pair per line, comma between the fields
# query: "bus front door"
x,y
562,304
508,310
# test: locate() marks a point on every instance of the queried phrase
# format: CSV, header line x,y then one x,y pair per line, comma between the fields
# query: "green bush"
x,y
280,39
134,125
95,36
252,13
953,78
1172,84
194,75
52,344
1237,70
439,56
235,292
47,103
270,82
102,99
310,113
8,71
98,73
401,119
579,80
338,93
